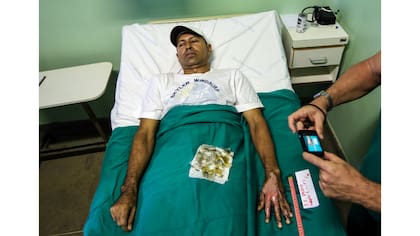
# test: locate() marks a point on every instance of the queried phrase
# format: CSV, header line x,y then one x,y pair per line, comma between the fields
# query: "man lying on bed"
x,y
224,88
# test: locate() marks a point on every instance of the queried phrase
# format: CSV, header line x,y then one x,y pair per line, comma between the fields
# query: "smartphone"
x,y
310,142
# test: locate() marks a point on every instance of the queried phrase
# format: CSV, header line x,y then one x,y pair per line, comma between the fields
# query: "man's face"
x,y
192,51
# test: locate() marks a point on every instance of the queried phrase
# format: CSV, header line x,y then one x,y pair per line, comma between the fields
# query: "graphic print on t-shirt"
x,y
196,91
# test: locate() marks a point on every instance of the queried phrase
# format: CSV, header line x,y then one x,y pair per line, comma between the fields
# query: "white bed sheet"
x,y
252,43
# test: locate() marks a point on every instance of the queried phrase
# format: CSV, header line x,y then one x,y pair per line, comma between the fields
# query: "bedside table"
x,y
314,55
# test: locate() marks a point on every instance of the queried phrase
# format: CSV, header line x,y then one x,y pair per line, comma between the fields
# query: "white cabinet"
x,y
314,55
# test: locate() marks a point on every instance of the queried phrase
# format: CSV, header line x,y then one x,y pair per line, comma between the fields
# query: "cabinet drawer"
x,y
310,57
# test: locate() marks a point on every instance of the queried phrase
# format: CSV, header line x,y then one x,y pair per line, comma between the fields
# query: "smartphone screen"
x,y
310,142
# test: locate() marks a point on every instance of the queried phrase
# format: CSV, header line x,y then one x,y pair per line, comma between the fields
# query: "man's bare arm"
x,y
356,82
124,209
273,190
141,151
261,137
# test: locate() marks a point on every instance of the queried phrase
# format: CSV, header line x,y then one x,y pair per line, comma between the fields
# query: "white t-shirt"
x,y
223,87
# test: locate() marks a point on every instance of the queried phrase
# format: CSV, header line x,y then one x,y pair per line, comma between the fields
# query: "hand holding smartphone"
x,y
310,142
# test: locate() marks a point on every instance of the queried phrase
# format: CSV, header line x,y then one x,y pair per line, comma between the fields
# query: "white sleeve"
x,y
246,97
152,107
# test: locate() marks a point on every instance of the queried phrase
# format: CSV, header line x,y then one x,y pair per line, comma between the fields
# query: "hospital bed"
x,y
172,203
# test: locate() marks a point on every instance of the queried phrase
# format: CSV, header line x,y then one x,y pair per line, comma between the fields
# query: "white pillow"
x,y
251,43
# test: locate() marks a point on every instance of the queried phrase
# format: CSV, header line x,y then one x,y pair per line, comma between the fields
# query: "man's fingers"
x,y
332,157
261,203
123,222
291,121
122,219
319,126
277,211
287,212
296,118
131,218
300,125
314,160
115,216
322,186
267,209
111,210
281,207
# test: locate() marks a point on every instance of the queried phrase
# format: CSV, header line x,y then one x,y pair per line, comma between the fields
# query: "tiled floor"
x,y
67,186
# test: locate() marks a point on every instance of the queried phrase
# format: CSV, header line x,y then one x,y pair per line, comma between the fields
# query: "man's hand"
x,y
307,113
123,211
340,180
272,193
337,178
